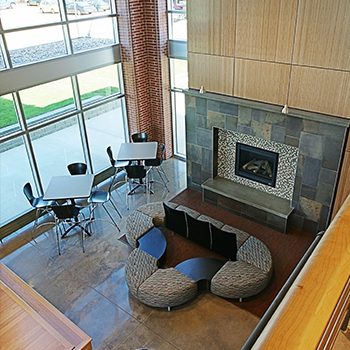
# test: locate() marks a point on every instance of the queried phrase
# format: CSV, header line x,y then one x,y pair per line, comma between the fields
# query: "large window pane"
x,y
24,15
102,7
179,75
47,100
14,173
34,45
98,83
56,146
177,26
2,62
178,102
105,128
88,35
8,116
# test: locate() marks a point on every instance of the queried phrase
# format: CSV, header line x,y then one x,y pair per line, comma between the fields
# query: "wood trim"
x,y
335,322
307,309
21,317
52,323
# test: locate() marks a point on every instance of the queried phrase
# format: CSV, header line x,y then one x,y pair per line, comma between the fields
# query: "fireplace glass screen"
x,y
256,164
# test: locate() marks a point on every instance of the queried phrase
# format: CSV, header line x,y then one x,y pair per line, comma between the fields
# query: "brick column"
x,y
144,46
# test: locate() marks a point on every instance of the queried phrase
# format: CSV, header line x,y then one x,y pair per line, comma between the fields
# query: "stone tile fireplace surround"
x,y
311,145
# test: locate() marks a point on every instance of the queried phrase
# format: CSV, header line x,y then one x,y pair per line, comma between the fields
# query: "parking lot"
x,y
25,16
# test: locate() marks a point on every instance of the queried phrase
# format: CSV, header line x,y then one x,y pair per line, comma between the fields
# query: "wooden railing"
x,y
312,311
28,321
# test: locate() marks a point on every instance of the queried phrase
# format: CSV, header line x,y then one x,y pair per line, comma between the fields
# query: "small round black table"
x,y
153,243
202,268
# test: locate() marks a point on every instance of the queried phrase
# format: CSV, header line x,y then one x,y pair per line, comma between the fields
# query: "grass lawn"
x,y
8,114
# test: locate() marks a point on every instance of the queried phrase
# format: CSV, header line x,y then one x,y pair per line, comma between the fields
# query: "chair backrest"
x,y
117,181
28,192
77,168
224,243
135,171
162,148
110,155
139,137
198,231
175,220
65,211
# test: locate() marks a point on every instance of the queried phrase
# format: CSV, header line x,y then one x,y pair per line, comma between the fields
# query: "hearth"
x,y
256,164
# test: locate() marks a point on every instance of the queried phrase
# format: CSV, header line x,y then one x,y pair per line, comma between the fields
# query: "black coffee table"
x,y
200,268
153,243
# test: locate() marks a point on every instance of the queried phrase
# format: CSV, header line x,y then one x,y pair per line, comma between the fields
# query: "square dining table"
x,y
70,187
138,151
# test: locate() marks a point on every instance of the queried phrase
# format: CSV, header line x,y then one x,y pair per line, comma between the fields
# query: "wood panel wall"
x,y
299,45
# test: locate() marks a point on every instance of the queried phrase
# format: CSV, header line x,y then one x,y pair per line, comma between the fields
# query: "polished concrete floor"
x,y
90,289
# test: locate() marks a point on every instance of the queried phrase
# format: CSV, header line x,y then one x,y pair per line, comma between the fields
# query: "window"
x,y
105,127
99,83
47,100
177,20
63,121
54,28
177,23
61,94
14,173
8,116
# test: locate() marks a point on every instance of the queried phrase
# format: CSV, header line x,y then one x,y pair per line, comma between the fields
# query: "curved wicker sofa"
x,y
243,278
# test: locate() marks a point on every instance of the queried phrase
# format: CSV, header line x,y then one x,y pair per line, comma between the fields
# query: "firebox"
x,y
256,164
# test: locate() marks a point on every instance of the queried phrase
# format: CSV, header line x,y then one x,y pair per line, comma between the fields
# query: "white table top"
x,y
69,187
138,151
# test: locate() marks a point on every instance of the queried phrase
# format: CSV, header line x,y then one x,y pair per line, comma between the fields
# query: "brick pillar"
x,y
144,46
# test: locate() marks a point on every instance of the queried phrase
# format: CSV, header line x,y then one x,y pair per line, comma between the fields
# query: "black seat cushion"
x,y
69,211
224,243
175,220
135,171
198,231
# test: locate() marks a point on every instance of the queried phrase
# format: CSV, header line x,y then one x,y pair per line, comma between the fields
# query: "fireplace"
x,y
307,170
256,164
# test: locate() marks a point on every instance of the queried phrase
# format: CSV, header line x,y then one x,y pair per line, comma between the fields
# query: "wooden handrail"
x,y
29,321
311,313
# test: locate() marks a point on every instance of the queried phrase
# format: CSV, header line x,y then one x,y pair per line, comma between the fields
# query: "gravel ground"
x,y
43,52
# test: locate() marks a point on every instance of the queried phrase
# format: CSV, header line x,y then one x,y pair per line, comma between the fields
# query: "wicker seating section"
x,y
157,287
243,278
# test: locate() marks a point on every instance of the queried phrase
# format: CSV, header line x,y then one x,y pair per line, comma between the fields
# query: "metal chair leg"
x,y
115,224
115,206
162,178
58,239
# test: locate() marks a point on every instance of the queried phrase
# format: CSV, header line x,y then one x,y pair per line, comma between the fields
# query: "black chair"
x,y
175,220
224,243
136,172
101,198
41,206
78,169
198,231
117,164
71,215
139,137
157,164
